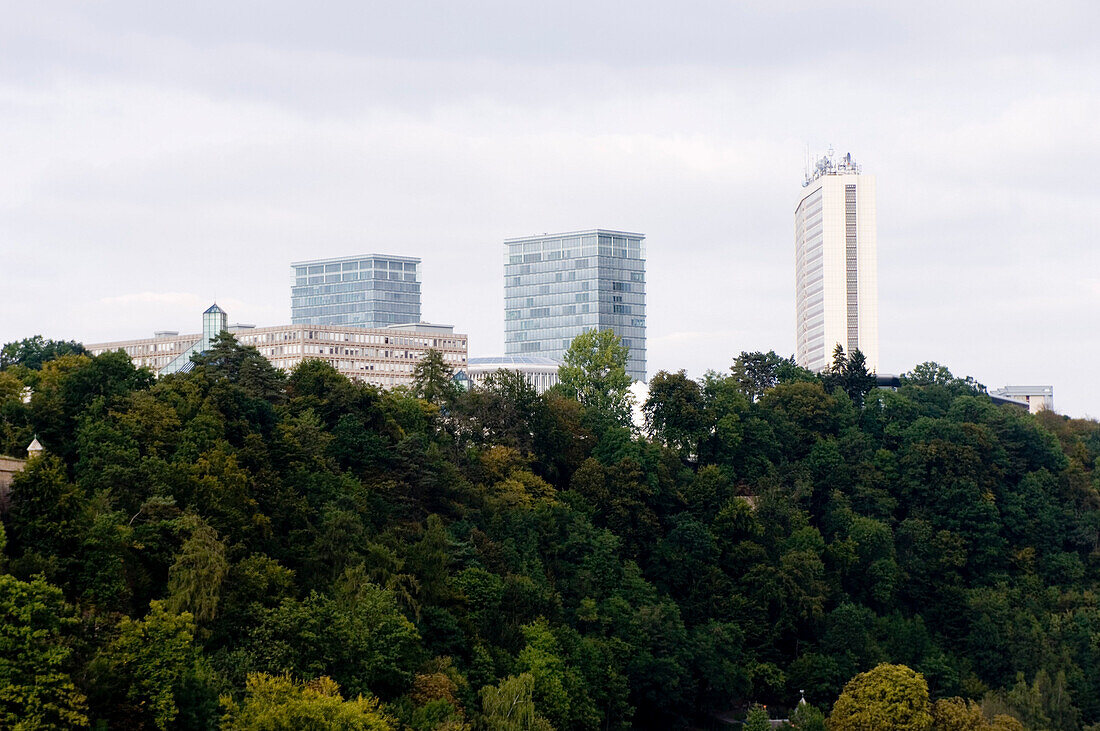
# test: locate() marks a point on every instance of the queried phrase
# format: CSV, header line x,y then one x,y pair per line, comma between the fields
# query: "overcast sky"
x,y
156,155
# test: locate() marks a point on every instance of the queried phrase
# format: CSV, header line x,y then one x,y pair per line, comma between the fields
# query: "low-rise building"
x,y
1037,398
541,373
383,357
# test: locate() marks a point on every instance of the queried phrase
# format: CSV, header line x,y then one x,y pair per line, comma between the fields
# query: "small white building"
x,y
541,373
1037,398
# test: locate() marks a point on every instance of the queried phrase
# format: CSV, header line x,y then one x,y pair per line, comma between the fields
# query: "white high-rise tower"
x,y
836,264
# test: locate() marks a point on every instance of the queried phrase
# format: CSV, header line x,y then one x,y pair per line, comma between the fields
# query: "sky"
x,y
156,156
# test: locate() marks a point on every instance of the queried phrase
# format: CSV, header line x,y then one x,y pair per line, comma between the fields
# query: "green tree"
x,y
559,692
433,379
849,374
195,579
359,637
757,719
958,714
510,706
156,665
47,520
32,352
808,718
675,412
593,372
36,690
756,372
277,703
887,697
241,366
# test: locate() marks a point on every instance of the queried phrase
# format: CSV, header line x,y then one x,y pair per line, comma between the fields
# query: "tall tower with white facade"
x,y
836,264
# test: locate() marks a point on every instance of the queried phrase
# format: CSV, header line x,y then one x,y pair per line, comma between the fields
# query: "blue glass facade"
x,y
372,290
556,286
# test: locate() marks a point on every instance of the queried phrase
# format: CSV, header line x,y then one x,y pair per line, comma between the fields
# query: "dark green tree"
x,y
433,379
675,412
32,352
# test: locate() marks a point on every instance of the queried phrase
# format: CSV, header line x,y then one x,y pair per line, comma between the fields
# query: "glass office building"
x,y
372,290
557,286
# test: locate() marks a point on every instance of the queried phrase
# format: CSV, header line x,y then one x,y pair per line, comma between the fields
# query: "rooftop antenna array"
x,y
829,165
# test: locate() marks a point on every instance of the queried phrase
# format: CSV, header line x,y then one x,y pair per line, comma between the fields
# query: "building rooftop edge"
x,y
399,257
257,330
574,233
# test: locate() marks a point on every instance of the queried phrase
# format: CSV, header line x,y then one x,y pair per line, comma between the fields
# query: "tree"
x,y
36,690
757,719
675,412
156,665
887,697
242,366
958,714
360,637
433,379
808,718
195,579
47,520
593,372
849,374
510,706
756,372
278,703
32,352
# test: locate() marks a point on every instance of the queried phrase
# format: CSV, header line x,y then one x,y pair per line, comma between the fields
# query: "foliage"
x,y
32,352
887,697
277,703
808,718
195,579
36,688
849,374
757,372
500,558
593,372
151,667
433,379
757,719
510,706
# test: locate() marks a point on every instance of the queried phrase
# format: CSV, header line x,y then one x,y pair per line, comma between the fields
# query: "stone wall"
x,y
8,467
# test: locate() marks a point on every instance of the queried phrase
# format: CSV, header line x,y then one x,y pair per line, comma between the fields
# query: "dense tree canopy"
x,y
237,547
32,352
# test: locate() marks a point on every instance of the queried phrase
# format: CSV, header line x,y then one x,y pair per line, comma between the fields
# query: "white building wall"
x,y
831,317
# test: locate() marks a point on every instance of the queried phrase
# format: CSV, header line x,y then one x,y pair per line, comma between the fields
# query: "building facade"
x,y
541,373
384,357
1037,398
836,265
557,286
372,290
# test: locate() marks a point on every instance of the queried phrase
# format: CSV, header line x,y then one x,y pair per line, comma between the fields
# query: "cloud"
x,y
153,154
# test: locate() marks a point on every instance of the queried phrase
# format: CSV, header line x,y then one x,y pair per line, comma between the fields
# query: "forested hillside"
x,y
238,548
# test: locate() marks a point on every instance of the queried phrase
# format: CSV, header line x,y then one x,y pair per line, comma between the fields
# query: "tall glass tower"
x,y
836,264
372,290
557,286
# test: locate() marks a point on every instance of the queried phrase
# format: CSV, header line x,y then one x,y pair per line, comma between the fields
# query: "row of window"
x,y
355,277
350,266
